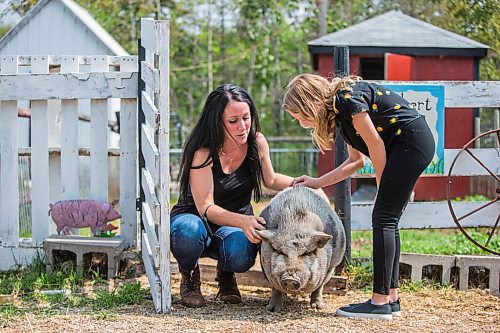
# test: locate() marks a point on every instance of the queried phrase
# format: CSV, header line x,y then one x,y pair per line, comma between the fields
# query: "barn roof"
x,y
399,33
52,21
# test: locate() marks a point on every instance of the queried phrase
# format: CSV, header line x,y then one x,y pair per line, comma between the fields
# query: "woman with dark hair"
x,y
224,160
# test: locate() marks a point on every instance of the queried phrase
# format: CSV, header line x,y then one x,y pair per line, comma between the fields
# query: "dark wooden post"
x,y
342,192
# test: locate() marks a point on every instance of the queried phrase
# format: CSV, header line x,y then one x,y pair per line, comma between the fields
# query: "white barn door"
x,y
154,161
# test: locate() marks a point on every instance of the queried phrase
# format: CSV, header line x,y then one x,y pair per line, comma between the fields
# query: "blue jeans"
x,y
190,241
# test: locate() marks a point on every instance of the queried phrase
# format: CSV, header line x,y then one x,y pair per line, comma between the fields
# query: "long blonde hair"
x,y
313,98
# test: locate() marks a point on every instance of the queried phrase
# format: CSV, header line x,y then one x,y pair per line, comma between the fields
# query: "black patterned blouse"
x,y
389,112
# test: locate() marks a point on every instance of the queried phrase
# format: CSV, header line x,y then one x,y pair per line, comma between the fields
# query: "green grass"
x,y
31,284
428,241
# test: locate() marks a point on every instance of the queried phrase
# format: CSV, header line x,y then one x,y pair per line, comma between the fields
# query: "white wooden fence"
x,y
458,94
60,78
154,150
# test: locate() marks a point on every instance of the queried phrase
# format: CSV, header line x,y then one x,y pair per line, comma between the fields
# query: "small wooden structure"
x,y
397,47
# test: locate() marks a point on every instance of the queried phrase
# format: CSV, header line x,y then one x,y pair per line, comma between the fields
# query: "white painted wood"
x,y
150,228
55,60
154,281
82,151
150,110
466,165
150,76
59,27
150,59
128,164
10,257
99,138
461,94
151,153
70,188
9,190
69,86
148,188
163,104
40,221
150,35
434,215
55,184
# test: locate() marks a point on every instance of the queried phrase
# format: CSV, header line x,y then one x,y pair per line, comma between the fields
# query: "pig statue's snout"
x,y
290,284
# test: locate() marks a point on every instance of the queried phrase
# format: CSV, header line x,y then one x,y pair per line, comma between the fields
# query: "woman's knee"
x,y
237,253
187,231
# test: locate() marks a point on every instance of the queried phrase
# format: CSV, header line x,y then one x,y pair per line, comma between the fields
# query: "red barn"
x,y
395,46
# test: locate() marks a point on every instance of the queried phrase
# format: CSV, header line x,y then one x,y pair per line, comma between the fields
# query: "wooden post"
x,y
39,159
164,143
342,192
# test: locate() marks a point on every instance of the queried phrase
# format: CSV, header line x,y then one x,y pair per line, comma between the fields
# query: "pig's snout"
x,y
290,284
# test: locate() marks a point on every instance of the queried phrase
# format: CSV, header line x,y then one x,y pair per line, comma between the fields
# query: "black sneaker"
x,y
366,310
395,307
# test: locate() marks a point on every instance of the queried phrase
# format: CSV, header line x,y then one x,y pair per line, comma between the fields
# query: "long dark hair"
x,y
209,133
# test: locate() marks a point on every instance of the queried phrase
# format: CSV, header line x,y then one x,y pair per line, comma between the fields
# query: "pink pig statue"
x,y
91,214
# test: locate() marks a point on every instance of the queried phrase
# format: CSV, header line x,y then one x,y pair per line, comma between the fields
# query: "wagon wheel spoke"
x,y
477,209
492,231
482,164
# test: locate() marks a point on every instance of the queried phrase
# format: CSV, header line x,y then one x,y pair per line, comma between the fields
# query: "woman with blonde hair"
x,y
378,123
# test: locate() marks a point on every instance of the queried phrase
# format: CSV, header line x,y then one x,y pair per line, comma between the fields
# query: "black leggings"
x,y
409,155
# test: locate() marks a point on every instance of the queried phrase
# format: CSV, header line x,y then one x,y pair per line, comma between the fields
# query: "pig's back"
x,y
286,203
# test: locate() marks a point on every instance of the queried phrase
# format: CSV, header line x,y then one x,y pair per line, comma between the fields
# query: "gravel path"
x,y
445,310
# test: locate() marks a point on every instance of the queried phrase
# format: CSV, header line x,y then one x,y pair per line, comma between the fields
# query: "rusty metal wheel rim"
x,y
448,193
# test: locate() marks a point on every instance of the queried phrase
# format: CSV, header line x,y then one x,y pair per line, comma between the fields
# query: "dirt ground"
x,y
428,310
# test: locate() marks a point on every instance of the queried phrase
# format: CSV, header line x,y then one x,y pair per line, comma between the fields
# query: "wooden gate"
x,y
154,173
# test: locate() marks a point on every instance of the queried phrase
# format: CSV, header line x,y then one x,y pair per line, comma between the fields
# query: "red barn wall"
x,y
459,122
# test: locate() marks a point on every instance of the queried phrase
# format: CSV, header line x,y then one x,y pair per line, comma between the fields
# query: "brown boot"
x,y
190,288
228,289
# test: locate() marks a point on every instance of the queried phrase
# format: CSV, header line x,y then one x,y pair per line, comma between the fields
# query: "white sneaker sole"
x,y
396,314
363,315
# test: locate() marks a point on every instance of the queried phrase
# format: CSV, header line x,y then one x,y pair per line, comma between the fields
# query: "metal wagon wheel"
x,y
493,232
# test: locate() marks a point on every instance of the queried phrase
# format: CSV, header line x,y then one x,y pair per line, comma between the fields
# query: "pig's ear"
x,y
320,239
114,202
266,235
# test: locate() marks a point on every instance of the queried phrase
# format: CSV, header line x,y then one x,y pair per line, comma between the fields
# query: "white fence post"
x,y
69,137
39,159
9,169
128,162
99,138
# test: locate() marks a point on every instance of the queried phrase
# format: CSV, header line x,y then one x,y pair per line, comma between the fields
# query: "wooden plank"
x,y
68,86
99,138
150,35
150,195
128,164
55,60
151,153
337,285
429,215
11,257
150,110
154,281
461,94
82,151
466,165
70,187
150,75
39,160
163,104
150,227
9,168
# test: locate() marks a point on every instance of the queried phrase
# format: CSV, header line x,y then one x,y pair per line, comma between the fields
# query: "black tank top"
x,y
232,192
